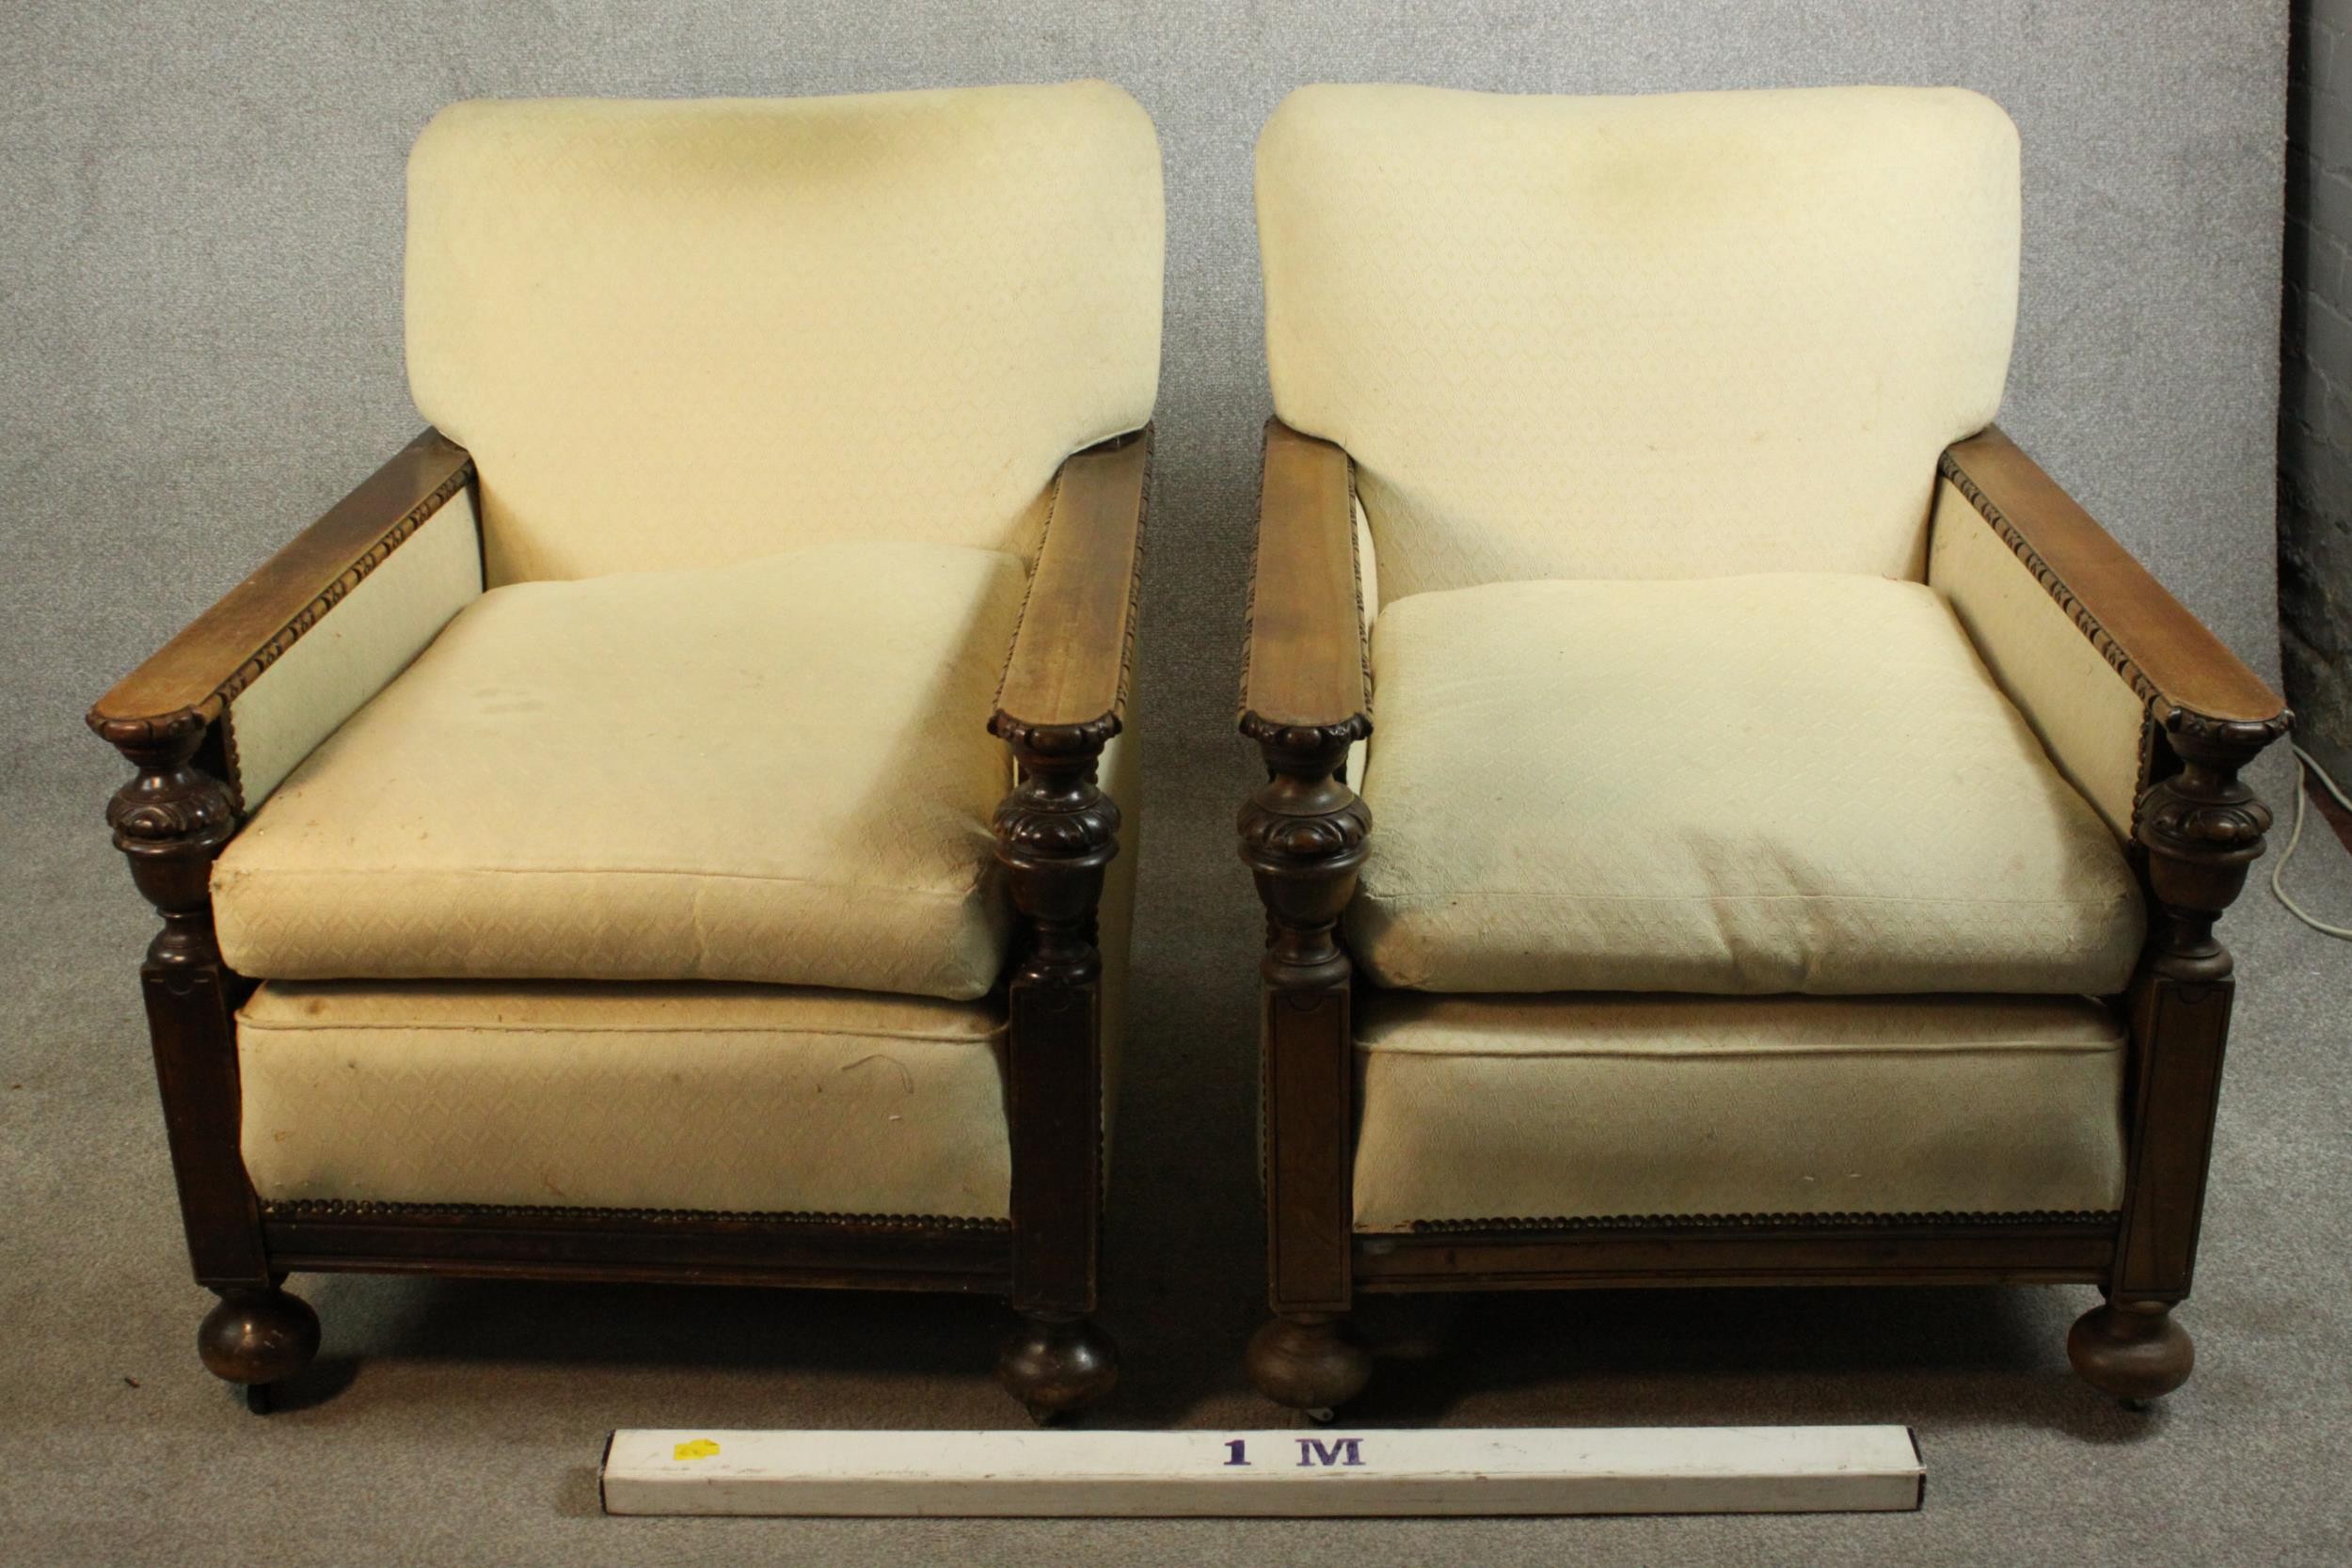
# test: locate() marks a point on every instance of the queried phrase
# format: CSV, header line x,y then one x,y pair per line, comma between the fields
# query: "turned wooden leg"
x,y
1308,1361
2132,1350
1057,1362
1055,833
1303,836
258,1338
170,822
2200,829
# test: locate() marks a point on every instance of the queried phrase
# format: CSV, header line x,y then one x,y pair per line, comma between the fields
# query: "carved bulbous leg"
x,y
1303,837
2132,1350
1055,833
2200,829
1308,1361
1057,1363
258,1338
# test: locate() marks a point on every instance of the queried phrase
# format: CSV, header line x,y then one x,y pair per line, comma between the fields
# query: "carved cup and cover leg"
x,y
1303,836
171,821
1055,836
2201,828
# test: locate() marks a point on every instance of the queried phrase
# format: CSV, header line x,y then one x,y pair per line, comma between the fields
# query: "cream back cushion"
x,y
1688,336
691,333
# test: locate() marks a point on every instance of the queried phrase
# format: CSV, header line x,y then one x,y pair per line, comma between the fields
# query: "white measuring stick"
x,y
1300,1474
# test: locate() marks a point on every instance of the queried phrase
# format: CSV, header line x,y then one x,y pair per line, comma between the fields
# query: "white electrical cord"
x,y
2303,760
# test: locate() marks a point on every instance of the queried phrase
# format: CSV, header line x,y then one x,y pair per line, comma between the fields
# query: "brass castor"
x,y
1309,1362
2132,1350
258,1336
1057,1363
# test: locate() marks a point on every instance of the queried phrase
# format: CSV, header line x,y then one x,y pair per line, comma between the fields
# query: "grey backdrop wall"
x,y
199,325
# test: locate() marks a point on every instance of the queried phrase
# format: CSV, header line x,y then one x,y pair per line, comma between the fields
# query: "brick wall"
x,y
2315,385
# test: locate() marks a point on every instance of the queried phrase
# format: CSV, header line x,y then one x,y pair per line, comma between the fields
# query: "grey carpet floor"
x,y
450,1421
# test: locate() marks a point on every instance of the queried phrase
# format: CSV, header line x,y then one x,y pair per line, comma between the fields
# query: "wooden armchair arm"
x,y
1304,665
2199,825
2190,678
1068,670
189,681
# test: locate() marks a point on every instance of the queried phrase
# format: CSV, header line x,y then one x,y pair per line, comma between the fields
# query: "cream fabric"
x,y
349,653
1784,782
1583,1107
688,333
2088,717
1663,337
778,772
740,1098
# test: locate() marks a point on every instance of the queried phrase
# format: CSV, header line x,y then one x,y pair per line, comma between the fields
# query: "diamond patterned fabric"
x,y
755,1099
1592,1106
1679,336
683,333
778,772
1784,782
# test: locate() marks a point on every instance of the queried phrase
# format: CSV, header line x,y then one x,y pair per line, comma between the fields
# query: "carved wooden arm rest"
x,y
2200,825
189,682
1304,667
2150,639
1069,666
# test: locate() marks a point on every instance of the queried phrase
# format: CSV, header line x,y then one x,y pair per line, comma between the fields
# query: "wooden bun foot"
x,y
1308,1361
1057,1363
256,1337
2132,1350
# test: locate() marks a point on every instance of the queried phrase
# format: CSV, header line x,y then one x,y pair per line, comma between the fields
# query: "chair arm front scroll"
x,y
369,539
2084,637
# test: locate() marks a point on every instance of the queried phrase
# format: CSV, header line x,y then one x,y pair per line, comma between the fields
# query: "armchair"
x,y
1792,842
662,824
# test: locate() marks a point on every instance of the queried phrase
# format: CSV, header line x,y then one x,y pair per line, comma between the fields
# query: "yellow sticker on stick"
x,y
701,1448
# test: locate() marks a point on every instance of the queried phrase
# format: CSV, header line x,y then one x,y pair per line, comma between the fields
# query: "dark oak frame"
x,y
1305,698
1061,700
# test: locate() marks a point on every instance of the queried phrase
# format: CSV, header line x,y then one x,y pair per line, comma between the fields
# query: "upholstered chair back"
x,y
1684,335
693,333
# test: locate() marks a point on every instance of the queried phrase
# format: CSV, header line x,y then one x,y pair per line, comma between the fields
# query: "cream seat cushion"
x,y
1784,782
776,772
751,1099
1676,336
1598,1106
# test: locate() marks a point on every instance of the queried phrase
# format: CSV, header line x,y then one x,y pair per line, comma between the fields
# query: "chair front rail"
x,y
1892,1250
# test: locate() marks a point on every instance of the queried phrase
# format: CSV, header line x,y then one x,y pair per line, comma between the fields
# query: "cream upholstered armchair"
x,y
575,852
1791,843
